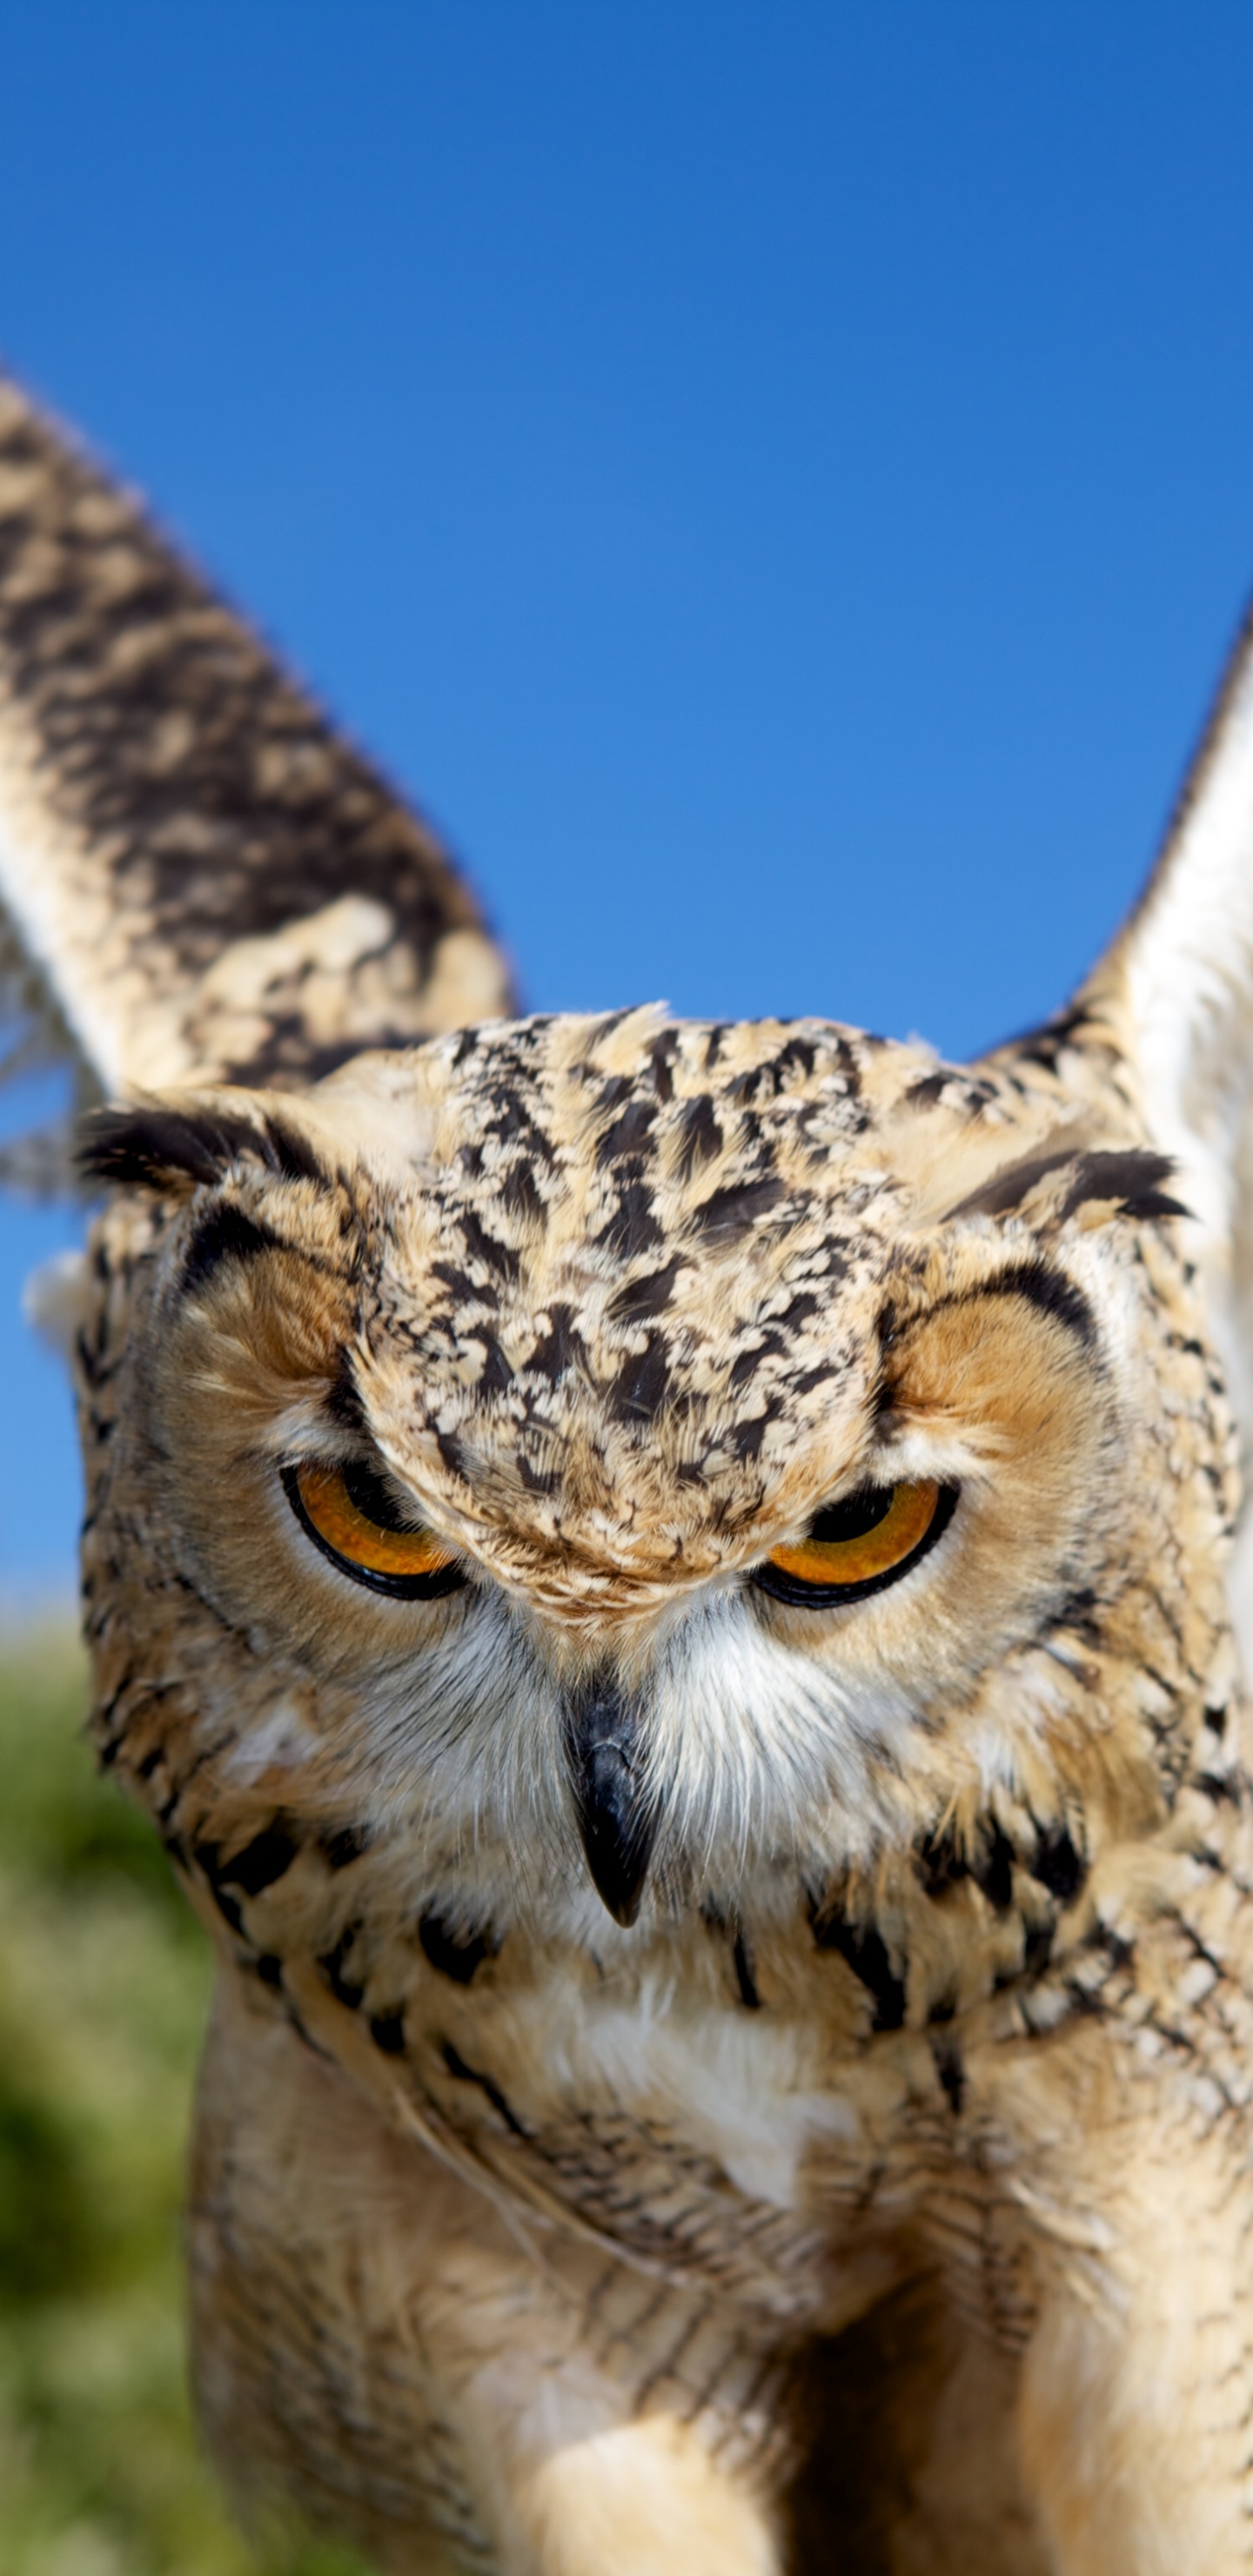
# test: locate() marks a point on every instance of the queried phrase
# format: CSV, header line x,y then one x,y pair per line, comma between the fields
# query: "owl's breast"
x,y
709,2116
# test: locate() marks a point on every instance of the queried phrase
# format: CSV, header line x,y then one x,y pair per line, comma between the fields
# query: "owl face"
x,y
671,1450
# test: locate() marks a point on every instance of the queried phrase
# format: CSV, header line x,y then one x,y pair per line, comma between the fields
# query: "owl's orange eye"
x,y
859,1545
352,1516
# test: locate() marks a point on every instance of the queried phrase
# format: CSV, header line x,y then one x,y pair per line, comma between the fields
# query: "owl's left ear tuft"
x,y
1128,1182
156,1146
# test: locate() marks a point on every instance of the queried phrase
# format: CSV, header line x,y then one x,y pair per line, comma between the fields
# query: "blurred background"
x,y
777,485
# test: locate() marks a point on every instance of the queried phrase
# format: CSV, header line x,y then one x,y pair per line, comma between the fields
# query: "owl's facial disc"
x,y
360,1520
646,1465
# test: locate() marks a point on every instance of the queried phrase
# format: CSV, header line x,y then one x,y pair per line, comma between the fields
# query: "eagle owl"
x,y
674,1593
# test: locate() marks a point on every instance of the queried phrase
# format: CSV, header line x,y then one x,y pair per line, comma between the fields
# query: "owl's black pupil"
x,y
854,1517
373,1499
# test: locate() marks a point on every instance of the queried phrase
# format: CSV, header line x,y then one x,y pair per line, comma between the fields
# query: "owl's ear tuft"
x,y
1128,1182
156,1146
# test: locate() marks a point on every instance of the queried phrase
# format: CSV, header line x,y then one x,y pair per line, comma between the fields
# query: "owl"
x,y
674,1592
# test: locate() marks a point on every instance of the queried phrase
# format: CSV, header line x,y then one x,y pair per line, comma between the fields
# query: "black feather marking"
x,y
562,1348
346,1990
455,1955
662,1054
993,1867
951,2072
463,2074
1008,1188
644,1298
642,1383
942,1864
700,1135
496,1256
744,1368
537,1480
153,1147
747,1437
343,1401
633,1227
1132,1178
925,1093
266,1858
864,1950
519,1195
629,1133
224,1233
1129,1179
1048,1290
496,1375
742,1961
339,1850
387,2030
1057,1865
730,1212
290,1154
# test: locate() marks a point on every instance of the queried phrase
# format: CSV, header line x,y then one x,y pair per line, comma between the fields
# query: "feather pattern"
x,y
201,878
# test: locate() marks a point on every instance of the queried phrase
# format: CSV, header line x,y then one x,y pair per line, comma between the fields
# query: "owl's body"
x,y
667,1587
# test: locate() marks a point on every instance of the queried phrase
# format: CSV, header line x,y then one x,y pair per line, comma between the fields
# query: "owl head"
x,y
638,1454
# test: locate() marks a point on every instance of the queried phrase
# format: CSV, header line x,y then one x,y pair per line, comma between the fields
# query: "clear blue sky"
x,y
776,481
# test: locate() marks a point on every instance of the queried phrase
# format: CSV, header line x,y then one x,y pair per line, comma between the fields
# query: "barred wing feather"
x,y
201,879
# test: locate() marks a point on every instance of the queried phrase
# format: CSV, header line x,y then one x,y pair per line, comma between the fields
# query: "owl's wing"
x,y
1176,993
200,879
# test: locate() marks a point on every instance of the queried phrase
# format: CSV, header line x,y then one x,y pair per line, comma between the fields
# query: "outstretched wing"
x,y
1176,990
200,878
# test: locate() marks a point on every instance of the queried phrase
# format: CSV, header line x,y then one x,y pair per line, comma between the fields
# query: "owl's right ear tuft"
x,y
155,1146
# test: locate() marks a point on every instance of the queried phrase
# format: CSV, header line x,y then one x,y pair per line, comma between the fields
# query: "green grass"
x,y
104,1979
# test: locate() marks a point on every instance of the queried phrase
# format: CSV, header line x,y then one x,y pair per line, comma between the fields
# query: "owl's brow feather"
x,y
154,1147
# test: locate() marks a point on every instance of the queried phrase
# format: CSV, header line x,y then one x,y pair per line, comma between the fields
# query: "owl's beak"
x,y
617,1820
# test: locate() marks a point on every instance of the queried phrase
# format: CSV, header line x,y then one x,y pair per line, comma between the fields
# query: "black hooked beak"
x,y
617,1822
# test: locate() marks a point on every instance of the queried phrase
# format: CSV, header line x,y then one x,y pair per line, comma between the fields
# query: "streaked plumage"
x,y
706,2075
